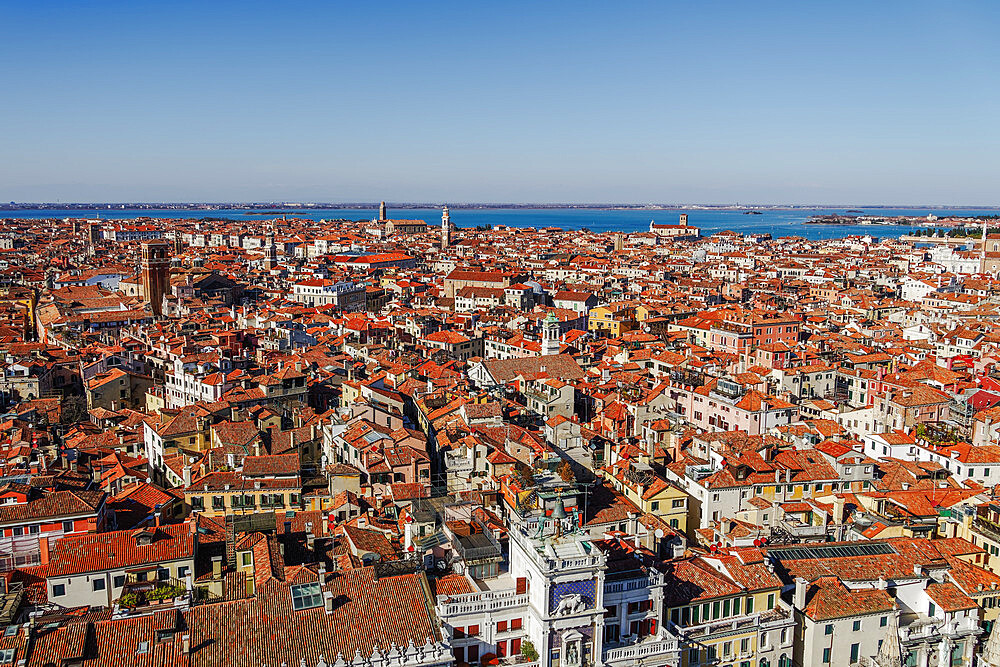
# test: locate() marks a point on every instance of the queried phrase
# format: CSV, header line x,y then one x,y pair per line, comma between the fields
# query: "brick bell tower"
x,y
155,273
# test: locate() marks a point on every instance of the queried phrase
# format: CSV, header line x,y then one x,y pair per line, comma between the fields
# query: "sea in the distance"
x,y
775,221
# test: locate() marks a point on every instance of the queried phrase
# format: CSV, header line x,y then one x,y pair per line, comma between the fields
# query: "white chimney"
x,y
800,593
328,602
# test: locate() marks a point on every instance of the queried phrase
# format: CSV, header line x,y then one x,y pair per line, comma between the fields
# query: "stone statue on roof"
x,y
889,652
991,649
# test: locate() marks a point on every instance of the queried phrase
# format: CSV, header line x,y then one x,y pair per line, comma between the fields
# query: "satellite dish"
x,y
659,533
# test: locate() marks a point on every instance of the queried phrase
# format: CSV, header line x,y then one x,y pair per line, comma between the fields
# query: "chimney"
x,y
156,518
799,599
838,510
186,643
216,567
43,546
187,476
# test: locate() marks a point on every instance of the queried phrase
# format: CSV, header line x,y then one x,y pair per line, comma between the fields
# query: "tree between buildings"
x,y
528,651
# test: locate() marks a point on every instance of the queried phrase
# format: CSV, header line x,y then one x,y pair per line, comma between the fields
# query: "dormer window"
x,y
144,537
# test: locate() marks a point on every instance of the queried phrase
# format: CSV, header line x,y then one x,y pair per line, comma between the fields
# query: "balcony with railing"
x,y
477,603
479,545
574,553
802,530
768,619
11,596
986,528
624,585
457,462
542,397
651,650
518,660
142,595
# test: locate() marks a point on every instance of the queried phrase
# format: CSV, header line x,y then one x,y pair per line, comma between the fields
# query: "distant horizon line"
x,y
195,205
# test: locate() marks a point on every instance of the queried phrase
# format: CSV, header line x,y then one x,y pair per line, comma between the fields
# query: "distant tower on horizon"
x,y
982,260
155,273
93,237
445,228
270,252
382,213
178,244
684,219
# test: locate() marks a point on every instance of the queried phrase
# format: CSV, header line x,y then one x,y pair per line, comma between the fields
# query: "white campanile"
x,y
550,335
445,228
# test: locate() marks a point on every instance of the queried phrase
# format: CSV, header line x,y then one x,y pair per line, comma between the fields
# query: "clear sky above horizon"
x,y
666,102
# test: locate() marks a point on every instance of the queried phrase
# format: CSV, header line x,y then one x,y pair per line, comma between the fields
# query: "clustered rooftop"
x,y
385,443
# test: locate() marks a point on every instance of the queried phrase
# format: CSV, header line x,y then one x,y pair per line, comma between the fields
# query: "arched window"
x,y
784,661
764,663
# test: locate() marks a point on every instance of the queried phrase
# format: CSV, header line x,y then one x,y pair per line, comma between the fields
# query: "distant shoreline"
x,y
286,208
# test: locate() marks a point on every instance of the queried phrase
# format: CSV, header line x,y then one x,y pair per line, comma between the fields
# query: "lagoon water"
x,y
777,222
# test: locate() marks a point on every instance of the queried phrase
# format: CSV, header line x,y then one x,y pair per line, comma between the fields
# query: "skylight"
x,y
306,596
832,551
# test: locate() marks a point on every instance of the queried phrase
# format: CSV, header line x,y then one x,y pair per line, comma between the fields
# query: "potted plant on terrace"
x,y
130,600
163,594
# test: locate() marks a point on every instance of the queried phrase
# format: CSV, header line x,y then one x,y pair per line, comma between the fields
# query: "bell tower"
x,y
445,228
382,212
550,335
155,273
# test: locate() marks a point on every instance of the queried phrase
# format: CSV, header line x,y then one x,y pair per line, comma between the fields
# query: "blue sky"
x,y
686,102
